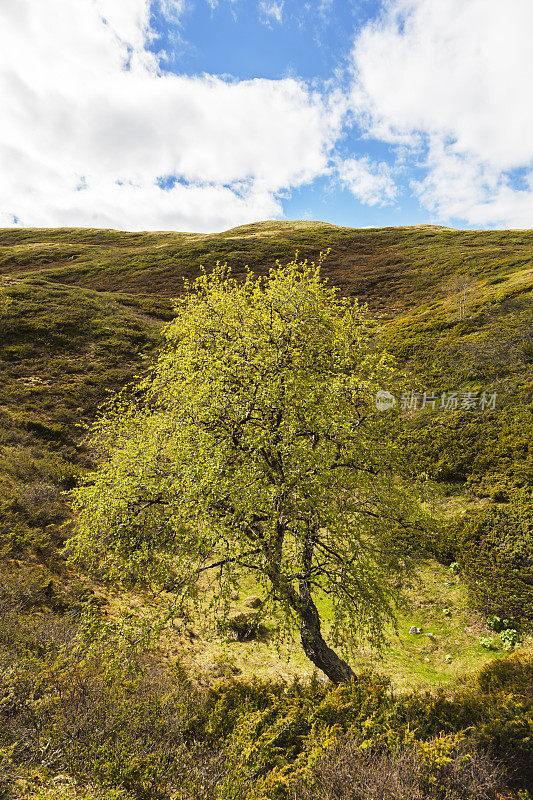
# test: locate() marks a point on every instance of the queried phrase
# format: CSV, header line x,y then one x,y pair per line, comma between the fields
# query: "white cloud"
x,y
214,3
173,9
271,11
452,80
90,125
371,183
459,186
325,7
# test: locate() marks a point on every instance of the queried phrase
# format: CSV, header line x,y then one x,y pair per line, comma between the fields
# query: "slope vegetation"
x,y
81,312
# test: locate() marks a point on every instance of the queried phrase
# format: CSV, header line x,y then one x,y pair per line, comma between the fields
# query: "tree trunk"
x,y
315,648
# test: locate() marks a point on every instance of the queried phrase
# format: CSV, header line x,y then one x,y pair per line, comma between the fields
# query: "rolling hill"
x,y
81,313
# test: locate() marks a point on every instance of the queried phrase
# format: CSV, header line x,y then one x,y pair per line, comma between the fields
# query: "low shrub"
x,y
496,556
446,767
75,697
510,638
488,643
512,675
86,697
432,745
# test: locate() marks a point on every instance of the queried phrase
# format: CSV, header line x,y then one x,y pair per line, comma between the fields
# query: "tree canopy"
x,y
254,446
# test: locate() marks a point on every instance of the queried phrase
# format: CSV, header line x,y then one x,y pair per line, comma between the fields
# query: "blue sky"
x,y
206,114
311,41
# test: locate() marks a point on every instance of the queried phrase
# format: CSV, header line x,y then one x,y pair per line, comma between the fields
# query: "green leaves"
x,y
254,445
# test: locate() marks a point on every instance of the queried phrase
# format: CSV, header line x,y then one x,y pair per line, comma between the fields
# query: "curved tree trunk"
x,y
315,648
301,601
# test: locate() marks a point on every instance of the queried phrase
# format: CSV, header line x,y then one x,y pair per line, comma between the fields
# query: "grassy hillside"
x,y
391,268
80,315
85,308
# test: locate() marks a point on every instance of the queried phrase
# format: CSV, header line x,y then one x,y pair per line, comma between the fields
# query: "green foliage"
x,y
282,736
87,697
510,638
512,675
61,350
395,268
255,445
489,451
68,294
496,556
498,624
5,301
488,643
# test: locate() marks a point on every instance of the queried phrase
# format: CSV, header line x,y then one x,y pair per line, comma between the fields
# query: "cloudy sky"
x,y
201,115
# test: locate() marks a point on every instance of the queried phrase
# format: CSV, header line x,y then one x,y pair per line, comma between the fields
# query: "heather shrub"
x,y
447,768
76,696
88,697
513,675
426,745
496,556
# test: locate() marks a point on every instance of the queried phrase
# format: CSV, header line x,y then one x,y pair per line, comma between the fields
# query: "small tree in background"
x,y
254,446
461,285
